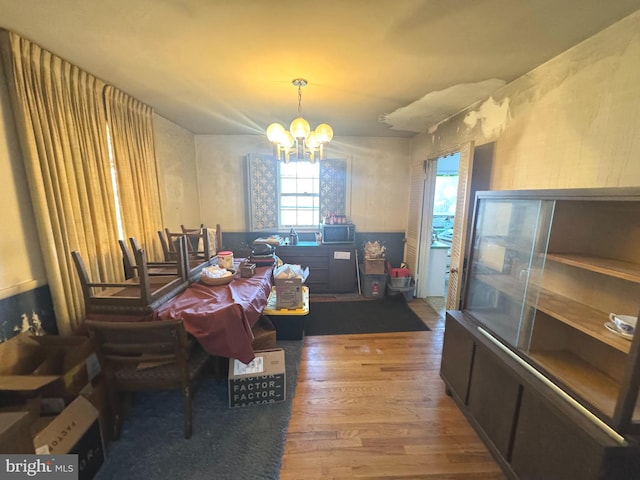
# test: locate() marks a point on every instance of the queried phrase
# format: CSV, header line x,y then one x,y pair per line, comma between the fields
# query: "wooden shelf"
x,y
586,319
606,266
600,389
583,318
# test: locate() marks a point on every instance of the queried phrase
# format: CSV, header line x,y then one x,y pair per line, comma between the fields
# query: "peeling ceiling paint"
x,y
437,106
491,115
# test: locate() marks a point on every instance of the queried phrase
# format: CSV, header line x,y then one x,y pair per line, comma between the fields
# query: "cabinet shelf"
x,y
606,266
583,318
601,390
586,319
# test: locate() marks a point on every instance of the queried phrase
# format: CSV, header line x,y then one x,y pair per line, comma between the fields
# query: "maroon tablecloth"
x,y
221,317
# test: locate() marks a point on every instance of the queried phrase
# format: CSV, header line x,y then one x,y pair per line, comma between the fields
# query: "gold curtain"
x,y
131,126
60,119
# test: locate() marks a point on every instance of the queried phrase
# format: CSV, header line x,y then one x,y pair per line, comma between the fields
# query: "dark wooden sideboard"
x,y
332,268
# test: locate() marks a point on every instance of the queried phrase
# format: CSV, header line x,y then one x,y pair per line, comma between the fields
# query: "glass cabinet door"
x,y
507,258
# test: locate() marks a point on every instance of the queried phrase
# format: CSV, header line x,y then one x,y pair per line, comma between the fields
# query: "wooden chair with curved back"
x,y
143,356
153,268
202,245
140,294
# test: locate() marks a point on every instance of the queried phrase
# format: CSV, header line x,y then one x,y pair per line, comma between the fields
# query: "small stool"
x,y
289,324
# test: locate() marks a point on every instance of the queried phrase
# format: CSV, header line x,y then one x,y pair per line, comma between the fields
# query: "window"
x,y
293,194
299,194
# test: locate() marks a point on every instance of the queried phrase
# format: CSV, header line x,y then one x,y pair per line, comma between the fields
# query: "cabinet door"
x,y
493,399
508,234
457,355
342,270
549,446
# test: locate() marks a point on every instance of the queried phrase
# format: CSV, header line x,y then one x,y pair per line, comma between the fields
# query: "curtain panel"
x,y
131,127
262,192
333,187
60,119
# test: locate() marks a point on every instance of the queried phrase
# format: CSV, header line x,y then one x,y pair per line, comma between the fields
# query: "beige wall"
x,y
377,194
572,122
177,174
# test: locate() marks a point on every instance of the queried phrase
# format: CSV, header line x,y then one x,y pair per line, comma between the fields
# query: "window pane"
x,y
287,201
306,218
299,194
307,185
288,185
288,217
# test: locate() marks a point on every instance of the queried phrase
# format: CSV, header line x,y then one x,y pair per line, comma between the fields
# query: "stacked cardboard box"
x,y
42,381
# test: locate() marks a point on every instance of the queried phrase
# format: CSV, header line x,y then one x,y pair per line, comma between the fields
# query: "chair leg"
x,y
116,412
187,412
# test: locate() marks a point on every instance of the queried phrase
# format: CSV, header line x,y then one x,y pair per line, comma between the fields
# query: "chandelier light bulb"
x,y
275,133
300,128
324,133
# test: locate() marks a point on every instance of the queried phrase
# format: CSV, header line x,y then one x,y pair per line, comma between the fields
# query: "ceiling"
x,y
374,67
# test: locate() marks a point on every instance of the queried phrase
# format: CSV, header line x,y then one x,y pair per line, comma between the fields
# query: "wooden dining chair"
x,y
141,294
147,356
153,268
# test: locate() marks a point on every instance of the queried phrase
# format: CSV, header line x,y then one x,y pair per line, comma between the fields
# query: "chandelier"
x,y
299,139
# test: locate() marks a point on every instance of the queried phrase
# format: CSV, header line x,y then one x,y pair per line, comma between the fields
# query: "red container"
x,y
398,272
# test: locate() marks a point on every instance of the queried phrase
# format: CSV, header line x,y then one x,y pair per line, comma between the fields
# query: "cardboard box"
x,y
259,382
49,365
373,266
74,431
15,433
264,334
289,290
96,393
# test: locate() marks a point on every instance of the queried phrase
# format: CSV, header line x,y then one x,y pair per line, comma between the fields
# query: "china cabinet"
x,y
532,357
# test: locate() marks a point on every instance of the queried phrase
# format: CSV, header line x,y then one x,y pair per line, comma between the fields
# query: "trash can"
x,y
373,286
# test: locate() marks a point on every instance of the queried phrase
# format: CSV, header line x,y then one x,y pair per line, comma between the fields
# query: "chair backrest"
x,y
214,235
126,342
142,343
127,260
169,254
198,242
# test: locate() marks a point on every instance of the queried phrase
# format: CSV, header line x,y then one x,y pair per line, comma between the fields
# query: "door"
x,y
460,225
415,220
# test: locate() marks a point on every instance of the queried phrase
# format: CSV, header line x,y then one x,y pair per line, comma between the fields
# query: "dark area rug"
x,y
227,443
388,314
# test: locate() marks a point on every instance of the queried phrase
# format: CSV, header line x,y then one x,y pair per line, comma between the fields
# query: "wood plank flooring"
x,y
374,407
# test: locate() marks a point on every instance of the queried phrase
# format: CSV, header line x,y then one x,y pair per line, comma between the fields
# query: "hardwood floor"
x,y
374,407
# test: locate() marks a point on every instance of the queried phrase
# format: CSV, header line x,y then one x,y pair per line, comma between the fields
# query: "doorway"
x,y
442,176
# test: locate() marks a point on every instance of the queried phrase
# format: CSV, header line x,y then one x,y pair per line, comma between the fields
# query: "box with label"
x,y
48,365
289,287
373,266
15,433
74,431
261,381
